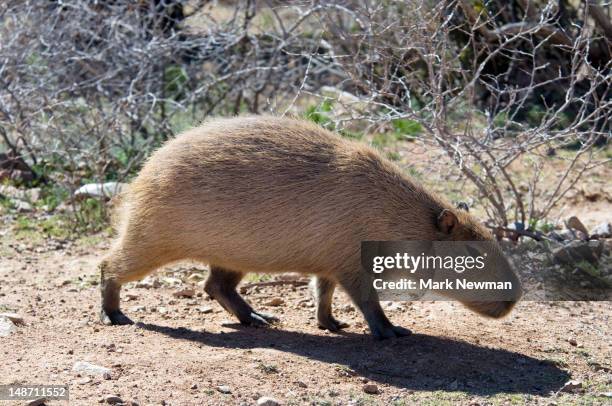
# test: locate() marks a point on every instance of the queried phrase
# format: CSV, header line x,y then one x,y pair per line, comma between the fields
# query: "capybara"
x,y
272,194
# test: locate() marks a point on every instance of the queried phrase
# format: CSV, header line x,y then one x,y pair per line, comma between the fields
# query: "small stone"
x,y
605,395
577,251
572,342
184,293
111,400
22,207
131,296
301,384
162,310
148,283
575,223
83,381
37,402
277,301
572,387
603,230
90,369
224,389
195,277
100,190
348,308
267,401
205,309
137,309
6,327
371,389
14,317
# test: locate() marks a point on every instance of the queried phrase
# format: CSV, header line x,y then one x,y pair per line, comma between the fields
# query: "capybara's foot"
x,y
332,324
115,318
257,319
390,332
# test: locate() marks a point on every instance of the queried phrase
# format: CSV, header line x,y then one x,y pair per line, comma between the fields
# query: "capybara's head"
x,y
459,225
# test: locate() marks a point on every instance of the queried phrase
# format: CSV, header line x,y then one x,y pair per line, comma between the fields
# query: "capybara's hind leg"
x,y
363,294
221,286
323,289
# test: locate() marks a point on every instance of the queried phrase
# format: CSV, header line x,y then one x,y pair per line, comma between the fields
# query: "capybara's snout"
x,y
493,309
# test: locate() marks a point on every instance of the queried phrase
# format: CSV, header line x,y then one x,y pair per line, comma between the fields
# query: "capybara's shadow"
x,y
417,362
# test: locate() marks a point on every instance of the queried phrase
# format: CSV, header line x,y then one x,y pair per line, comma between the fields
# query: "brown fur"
x,y
268,194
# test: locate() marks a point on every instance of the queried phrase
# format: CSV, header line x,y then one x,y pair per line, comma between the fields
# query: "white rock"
x,y
14,317
267,401
6,327
100,190
90,369
224,389
603,230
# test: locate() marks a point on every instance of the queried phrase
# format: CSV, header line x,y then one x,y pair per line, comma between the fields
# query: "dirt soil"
x,y
188,350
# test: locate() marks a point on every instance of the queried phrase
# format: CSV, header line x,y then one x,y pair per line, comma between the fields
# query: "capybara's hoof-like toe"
x,y
390,332
401,331
258,319
332,324
115,318
270,318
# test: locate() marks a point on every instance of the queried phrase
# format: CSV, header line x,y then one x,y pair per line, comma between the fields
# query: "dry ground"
x,y
179,355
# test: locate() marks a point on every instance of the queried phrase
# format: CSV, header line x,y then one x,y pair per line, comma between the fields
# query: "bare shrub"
x,y
88,88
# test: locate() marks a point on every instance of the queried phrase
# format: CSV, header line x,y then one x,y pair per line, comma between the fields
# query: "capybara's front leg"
x,y
323,289
359,287
221,286
110,288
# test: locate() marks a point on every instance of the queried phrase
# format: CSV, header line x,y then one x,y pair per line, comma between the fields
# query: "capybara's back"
x,y
269,194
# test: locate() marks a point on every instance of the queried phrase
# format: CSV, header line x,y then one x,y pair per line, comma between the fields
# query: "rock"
x,y
137,309
6,327
572,387
224,389
267,401
184,293
277,301
348,308
13,317
575,223
37,402
90,369
605,395
148,283
371,389
301,384
572,341
22,207
162,310
204,309
577,251
83,381
603,230
111,400
100,190
195,277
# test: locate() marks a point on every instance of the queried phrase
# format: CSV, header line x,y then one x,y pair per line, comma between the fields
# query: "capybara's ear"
x,y
447,221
